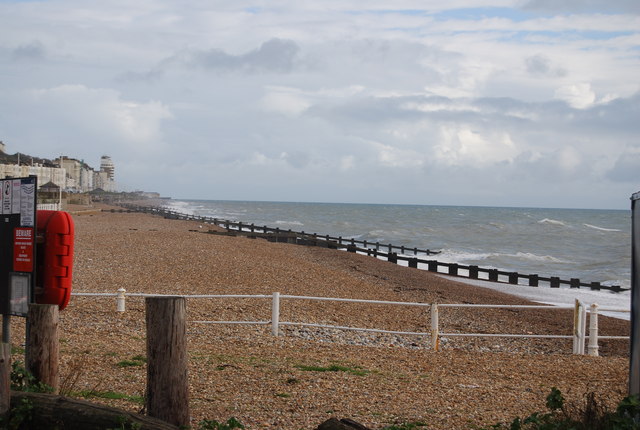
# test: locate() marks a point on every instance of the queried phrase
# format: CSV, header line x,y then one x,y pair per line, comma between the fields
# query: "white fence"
x,y
579,333
49,206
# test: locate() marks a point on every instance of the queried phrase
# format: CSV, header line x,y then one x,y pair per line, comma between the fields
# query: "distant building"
x,y
44,173
67,173
80,176
105,179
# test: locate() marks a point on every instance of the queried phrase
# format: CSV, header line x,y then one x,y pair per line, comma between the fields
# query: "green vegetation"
x,y
137,360
125,424
590,416
406,426
231,423
23,380
113,395
334,368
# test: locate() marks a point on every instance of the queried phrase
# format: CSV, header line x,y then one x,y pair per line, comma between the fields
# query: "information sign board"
x,y
17,244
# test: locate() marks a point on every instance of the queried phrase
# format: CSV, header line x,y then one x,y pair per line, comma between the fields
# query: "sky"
x,y
530,103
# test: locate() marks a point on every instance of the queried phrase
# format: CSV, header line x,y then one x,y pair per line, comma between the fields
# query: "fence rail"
x,y
579,332
375,249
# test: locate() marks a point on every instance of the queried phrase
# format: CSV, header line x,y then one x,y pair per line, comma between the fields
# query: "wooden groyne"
x,y
392,253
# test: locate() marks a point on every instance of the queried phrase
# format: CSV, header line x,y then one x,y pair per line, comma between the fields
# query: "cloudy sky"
x,y
459,102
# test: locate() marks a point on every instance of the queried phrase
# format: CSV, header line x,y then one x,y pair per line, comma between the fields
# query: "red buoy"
x,y
54,259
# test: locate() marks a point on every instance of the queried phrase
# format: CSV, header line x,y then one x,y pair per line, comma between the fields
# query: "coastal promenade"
x,y
306,376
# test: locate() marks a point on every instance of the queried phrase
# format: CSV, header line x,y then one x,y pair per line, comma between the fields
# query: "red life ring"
x,y
54,258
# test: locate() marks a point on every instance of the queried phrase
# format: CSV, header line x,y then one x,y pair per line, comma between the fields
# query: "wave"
x,y
534,257
298,223
458,256
551,221
601,228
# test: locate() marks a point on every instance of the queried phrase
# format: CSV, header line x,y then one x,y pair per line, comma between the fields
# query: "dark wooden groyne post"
x,y
167,379
43,348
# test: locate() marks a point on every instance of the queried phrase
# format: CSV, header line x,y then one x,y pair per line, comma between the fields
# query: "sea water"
x,y
592,245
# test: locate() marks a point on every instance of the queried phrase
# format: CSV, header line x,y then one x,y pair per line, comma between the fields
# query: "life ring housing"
x,y
54,258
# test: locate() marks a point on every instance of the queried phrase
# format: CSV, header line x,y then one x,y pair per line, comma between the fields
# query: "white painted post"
x,y
120,300
576,327
579,315
275,314
583,329
593,331
435,342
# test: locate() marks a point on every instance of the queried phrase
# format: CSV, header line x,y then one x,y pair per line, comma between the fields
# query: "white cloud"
x,y
461,146
578,95
79,109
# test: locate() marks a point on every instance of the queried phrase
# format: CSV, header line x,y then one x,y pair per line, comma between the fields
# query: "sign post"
x,y
17,246
17,264
634,365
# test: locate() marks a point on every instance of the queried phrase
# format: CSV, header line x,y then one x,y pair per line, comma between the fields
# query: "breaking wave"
x,y
601,228
551,222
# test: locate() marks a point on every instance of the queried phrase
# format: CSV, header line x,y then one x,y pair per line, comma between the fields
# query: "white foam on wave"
x,y
601,228
551,222
178,206
451,256
280,222
534,257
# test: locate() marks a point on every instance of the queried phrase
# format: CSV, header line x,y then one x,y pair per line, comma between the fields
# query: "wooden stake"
x,y
43,348
167,382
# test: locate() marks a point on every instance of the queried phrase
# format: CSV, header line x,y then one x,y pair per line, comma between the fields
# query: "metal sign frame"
x,y
634,364
18,229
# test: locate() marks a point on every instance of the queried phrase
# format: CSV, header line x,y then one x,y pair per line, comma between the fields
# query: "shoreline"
x,y
247,373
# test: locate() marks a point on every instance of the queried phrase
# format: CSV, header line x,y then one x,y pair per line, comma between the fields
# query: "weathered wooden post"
x,y
574,283
513,278
43,348
167,381
473,272
453,269
493,275
432,266
5,377
554,282
533,280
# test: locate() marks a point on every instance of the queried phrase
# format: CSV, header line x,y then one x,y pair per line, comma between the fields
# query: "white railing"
x,y
48,206
579,333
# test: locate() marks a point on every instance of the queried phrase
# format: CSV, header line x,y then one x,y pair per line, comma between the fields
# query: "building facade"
x,y
69,174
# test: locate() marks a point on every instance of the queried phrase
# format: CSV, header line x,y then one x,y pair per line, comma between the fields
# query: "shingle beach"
x,y
277,382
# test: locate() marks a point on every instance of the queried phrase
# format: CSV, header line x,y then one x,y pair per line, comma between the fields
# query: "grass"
x,y
358,371
137,360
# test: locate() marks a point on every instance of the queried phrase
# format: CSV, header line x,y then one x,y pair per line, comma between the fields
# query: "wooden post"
x,y
555,282
167,383
513,278
432,266
392,257
533,280
473,272
493,275
5,378
453,269
43,348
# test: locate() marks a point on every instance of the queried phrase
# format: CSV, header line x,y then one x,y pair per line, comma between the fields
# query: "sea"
x,y
590,244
